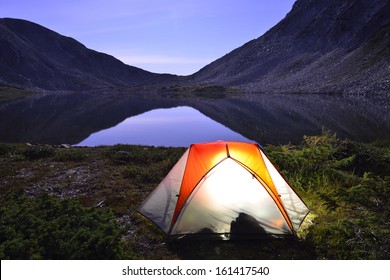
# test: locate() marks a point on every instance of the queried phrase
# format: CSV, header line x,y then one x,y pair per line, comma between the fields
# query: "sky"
x,y
173,36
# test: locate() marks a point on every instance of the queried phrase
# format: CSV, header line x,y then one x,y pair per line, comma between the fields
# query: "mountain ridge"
x,y
34,56
320,46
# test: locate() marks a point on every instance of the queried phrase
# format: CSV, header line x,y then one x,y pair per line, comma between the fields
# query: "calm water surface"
x,y
179,126
106,119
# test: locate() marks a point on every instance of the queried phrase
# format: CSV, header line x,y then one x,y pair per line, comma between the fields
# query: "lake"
x,y
180,127
106,119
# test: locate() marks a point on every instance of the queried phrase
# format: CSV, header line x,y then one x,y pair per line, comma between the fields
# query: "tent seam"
x,y
189,195
268,189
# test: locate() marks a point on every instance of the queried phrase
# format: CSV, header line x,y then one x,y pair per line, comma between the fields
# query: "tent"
x,y
224,190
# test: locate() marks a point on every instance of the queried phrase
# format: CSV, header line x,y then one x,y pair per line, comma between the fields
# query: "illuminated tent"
x,y
224,190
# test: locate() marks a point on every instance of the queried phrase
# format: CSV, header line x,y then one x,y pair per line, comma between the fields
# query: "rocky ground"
x,y
332,177
104,177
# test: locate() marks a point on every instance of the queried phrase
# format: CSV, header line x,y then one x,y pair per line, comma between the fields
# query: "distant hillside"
x,y
35,57
320,46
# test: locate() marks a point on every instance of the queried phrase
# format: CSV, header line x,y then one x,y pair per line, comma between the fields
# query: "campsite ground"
x,y
54,196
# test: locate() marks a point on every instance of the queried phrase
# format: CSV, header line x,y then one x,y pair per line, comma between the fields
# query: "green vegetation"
x,y
80,203
199,91
143,164
49,228
8,93
347,186
70,155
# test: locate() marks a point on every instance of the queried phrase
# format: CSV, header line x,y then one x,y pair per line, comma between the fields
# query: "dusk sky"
x,y
176,36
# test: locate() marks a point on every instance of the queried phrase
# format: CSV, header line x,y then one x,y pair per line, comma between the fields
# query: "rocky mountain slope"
x,y
35,57
320,46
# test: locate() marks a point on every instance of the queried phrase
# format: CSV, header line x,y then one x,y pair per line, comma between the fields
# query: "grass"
x,y
345,184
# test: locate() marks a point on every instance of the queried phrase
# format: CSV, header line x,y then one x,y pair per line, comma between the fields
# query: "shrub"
x,y
371,157
70,155
130,154
12,150
38,152
347,187
142,174
140,155
49,228
4,149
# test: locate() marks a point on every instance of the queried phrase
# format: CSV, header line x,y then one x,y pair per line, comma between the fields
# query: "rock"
x,y
319,47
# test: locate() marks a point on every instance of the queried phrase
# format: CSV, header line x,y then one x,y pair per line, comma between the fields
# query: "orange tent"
x,y
224,190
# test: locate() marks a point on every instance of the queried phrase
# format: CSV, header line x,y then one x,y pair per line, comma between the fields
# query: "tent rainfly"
x,y
224,190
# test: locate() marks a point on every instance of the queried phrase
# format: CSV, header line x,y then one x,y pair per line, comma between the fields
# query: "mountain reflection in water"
x,y
266,119
179,127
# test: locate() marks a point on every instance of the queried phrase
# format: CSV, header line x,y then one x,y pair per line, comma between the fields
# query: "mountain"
x,y
35,57
320,46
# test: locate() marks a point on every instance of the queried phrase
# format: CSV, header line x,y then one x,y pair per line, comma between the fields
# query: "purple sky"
x,y
176,36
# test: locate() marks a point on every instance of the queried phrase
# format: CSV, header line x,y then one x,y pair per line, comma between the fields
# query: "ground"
x,y
345,184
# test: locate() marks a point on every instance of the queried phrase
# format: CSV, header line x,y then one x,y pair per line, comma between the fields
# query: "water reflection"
x,y
285,118
179,126
275,119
